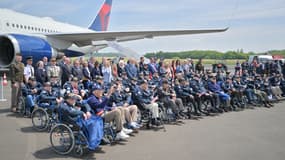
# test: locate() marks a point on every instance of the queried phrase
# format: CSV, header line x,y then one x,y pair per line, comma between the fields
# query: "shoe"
x,y
121,136
127,131
134,125
14,109
105,141
197,114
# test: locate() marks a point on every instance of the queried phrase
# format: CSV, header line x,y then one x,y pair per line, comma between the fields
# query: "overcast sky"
x,y
255,25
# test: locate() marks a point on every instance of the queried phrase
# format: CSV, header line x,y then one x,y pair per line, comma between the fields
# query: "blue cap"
x,y
96,87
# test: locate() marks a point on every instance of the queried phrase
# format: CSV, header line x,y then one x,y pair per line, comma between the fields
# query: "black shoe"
x,y
197,114
105,141
219,110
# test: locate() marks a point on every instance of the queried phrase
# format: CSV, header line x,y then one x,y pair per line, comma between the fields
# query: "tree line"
x,y
209,54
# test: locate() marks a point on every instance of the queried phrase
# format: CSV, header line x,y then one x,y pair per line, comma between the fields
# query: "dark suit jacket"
x,y
77,72
86,74
66,72
41,75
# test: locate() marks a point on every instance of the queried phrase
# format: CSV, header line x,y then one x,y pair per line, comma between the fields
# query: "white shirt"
x,y
29,72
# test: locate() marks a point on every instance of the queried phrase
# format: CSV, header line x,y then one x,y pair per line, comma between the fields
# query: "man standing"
x,y
131,69
53,70
17,77
66,71
29,69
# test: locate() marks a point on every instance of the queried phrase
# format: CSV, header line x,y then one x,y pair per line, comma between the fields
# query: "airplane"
x,y
44,37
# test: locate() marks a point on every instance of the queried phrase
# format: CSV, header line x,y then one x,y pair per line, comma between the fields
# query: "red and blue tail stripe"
x,y
101,21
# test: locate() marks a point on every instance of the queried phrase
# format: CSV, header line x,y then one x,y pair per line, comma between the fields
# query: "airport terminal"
x,y
59,100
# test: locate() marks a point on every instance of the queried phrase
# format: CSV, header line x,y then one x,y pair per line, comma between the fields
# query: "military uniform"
x,y
17,78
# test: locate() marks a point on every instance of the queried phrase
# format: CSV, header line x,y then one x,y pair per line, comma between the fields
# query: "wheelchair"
x,y
188,106
109,133
44,116
205,104
66,138
241,103
145,117
166,114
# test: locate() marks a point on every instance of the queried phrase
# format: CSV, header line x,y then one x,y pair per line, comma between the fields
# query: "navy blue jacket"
x,y
98,105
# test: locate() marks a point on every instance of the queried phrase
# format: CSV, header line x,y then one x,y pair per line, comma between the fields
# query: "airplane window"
x,y
32,28
17,25
21,26
7,24
28,27
13,25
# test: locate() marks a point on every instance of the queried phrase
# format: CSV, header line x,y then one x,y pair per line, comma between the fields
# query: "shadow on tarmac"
x,y
48,153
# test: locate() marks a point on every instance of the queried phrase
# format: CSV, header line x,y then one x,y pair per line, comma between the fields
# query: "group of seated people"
x,y
120,100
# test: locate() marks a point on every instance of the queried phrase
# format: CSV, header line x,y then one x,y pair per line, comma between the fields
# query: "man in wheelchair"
x,y
76,87
203,94
168,97
99,105
144,99
47,98
122,100
184,91
224,97
30,91
229,88
76,113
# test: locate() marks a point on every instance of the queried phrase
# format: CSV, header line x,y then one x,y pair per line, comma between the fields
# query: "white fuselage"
x,y
14,22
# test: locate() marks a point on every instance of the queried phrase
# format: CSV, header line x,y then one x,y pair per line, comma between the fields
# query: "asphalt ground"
x,y
251,134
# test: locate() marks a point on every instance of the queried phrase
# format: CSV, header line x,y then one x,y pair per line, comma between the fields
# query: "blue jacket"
x,y
214,87
132,71
98,105
69,114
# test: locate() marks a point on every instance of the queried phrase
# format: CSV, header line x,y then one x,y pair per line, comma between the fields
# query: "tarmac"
x,y
251,134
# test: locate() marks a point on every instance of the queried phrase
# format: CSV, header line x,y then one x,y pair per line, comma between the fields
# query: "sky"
x,y
255,25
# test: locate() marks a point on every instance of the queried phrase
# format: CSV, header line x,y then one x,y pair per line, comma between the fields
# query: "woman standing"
x,y
107,72
41,73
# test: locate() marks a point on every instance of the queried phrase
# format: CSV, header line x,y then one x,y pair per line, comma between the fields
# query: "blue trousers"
x,y
30,103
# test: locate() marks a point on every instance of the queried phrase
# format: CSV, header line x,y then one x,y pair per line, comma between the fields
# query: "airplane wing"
x,y
87,38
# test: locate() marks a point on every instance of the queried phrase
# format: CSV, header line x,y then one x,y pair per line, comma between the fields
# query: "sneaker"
x,y
122,135
127,131
134,125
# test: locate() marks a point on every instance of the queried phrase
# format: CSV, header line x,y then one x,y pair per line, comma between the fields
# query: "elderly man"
x,y
98,103
66,71
131,69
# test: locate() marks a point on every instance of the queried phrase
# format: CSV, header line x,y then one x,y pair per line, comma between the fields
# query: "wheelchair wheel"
x,y
188,109
257,100
62,139
80,143
244,101
205,105
40,119
22,105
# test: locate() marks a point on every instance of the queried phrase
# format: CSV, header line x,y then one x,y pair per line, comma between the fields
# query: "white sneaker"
x,y
134,125
127,131
121,136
